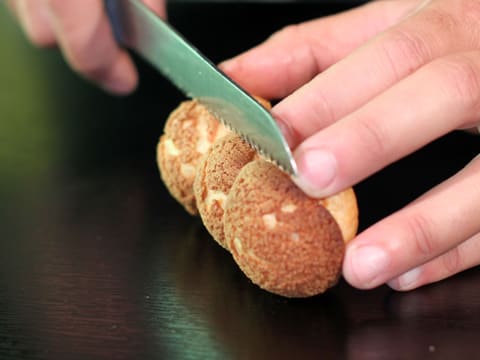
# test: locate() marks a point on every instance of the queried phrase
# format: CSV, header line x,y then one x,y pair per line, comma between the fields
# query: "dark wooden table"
x,y
97,261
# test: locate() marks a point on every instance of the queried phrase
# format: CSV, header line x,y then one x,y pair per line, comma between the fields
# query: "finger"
x,y
442,96
463,257
427,34
158,6
33,17
292,56
12,6
87,41
431,226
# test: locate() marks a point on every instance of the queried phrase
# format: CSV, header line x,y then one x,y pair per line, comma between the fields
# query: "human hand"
x,y
363,89
82,30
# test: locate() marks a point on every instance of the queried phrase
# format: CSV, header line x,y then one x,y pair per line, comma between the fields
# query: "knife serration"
x,y
139,29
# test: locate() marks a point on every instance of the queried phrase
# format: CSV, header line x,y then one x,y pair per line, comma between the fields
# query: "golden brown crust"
x,y
189,132
284,241
215,176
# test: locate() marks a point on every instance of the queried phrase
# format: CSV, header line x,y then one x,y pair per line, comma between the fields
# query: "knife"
x,y
138,28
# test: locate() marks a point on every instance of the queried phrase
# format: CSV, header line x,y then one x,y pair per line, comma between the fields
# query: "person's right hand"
x,y
82,30
363,89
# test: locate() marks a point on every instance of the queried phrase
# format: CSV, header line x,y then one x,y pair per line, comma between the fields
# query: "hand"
x,y
82,31
365,88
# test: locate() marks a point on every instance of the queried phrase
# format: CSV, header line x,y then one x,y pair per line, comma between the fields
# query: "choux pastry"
x,y
189,132
284,241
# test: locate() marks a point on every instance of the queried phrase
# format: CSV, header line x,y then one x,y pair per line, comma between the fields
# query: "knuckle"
x,y
461,80
403,51
287,32
370,133
286,35
299,56
299,37
420,230
324,112
452,261
442,20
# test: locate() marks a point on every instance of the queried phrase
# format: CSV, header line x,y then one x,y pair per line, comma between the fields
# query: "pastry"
x,y
189,132
215,176
284,241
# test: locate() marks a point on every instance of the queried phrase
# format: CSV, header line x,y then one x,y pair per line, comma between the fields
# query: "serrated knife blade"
x,y
138,28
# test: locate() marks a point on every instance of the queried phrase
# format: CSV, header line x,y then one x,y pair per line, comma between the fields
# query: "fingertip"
x,y
365,265
256,72
36,23
122,78
229,66
236,69
40,38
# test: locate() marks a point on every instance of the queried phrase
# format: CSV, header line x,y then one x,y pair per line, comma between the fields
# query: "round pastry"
x,y
215,176
283,240
189,132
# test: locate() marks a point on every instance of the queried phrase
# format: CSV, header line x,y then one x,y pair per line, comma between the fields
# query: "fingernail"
x,y
406,281
228,66
367,264
316,171
286,130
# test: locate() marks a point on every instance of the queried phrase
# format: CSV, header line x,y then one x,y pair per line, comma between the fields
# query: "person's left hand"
x,y
363,89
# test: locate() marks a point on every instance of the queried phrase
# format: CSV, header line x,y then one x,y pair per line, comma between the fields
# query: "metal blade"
x,y
138,28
